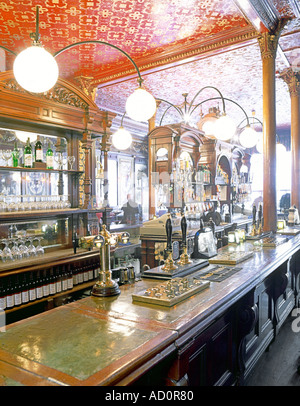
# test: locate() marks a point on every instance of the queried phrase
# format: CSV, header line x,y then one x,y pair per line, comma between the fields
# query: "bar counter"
x,y
214,337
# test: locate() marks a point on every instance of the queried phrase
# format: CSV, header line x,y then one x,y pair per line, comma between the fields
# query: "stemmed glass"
x,y
15,251
6,253
31,247
23,248
60,159
6,155
39,249
71,160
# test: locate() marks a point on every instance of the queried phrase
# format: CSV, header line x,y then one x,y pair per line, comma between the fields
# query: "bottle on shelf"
x,y
15,156
69,277
64,279
80,273
45,284
32,288
86,272
52,285
91,270
58,281
49,157
39,285
3,293
75,274
38,150
25,289
18,291
10,297
28,155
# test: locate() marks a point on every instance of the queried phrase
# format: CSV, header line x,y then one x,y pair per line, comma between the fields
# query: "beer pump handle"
x,y
254,214
183,230
169,233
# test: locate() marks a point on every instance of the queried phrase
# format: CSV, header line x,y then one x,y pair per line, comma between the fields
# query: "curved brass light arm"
x,y
254,118
179,111
8,50
204,88
103,43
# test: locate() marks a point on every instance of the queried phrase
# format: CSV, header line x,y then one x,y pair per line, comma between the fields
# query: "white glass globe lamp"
x,y
260,143
225,128
121,139
35,69
140,105
248,137
280,149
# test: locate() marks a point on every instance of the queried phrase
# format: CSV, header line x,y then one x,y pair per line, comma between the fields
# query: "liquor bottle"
x,y
70,277
80,273
75,274
2,294
32,288
10,297
52,286
38,150
25,289
49,157
18,291
46,283
86,272
28,155
15,156
39,286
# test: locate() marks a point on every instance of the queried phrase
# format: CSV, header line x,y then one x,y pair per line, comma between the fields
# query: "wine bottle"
x,y
18,291
38,150
91,270
80,274
49,157
75,274
86,272
70,277
46,284
32,288
28,155
15,156
64,279
2,294
10,298
58,281
39,286
25,289
52,286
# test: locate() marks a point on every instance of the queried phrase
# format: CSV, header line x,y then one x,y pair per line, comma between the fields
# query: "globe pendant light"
x,y
140,105
35,69
260,143
248,137
121,139
224,128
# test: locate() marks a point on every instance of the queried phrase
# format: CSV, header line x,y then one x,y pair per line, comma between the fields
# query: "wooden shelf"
x,y
21,169
77,288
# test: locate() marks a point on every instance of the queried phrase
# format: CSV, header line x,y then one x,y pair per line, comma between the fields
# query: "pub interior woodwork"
x,y
171,262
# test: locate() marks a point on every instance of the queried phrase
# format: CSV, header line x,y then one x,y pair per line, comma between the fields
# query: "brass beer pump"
x,y
105,286
169,262
254,230
184,257
260,219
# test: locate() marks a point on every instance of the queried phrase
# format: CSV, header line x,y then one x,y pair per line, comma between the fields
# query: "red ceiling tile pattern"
x,y
139,27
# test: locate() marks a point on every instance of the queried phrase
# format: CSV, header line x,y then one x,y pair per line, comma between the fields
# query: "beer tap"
x,y
169,262
105,286
253,231
184,257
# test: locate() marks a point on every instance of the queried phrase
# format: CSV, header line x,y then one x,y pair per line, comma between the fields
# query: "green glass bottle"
x,y
38,150
49,157
15,156
28,155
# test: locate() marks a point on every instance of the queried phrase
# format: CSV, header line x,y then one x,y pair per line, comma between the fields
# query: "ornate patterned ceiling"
x,y
178,45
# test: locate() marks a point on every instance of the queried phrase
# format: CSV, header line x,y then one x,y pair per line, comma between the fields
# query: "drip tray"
x,y
219,273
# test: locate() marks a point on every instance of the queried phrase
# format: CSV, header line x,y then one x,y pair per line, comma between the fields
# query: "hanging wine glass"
x,y
71,161
15,251
6,253
23,248
39,248
31,247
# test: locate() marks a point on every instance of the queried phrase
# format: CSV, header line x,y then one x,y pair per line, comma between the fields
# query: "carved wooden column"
x,y
87,183
268,45
151,126
293,81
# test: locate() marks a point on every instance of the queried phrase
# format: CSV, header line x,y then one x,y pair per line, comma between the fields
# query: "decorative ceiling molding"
x,y
296,7
234,39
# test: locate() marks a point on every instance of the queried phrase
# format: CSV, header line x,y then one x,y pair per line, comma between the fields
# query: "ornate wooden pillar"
x,y
293,81
268,43
87,183
151,126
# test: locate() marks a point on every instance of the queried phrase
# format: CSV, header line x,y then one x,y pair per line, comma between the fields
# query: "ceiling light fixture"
x,y
219,126
36,71
122,138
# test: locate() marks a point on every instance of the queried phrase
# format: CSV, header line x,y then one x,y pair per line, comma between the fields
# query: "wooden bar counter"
x,y
214,337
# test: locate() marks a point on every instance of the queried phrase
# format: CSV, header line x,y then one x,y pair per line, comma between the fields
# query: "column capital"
x,y
268,41
292,79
